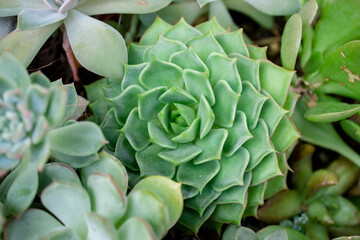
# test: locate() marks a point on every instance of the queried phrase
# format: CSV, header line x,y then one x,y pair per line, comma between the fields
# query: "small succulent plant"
x,y
37,121
96,207
201,107
331,77
320,197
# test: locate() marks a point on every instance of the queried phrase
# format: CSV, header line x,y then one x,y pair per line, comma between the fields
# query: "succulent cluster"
x,y
38,122
320,195
201,107
27,113
96,207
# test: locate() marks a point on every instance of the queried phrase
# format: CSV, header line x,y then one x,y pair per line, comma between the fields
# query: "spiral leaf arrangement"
x,y
200,106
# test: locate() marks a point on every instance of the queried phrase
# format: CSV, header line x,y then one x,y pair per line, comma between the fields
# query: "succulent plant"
x,y
331,78
201,107
96,207
37,121
38,19
320,198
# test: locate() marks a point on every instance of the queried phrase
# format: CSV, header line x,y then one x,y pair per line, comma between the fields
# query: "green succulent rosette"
x,y
200,106
96,205
37,123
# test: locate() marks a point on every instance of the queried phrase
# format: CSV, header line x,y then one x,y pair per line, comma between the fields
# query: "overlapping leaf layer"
x,y
201,107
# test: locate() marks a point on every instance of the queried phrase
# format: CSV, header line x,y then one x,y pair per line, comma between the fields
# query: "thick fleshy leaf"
x,y
169,191
261,138
251,103
151,164
136,228
232,170
320,178
13,71
224,68
189,134
290,42
202,201
149,103
180,155
331,111
351,128
135,131
131,74
177,95
160,137
266,169
257,52
276,184
182,31
110,128
136,53
231,213
107,164
36,18
233,42
101,41
289,201
191,219
211,26
80,139
284,135
22,190
237,135
341,68
205,172
322,134
308,13
205,45
64,233
188,59
278,89
276,232
212,145
276,7
92,7
32,225
256,194
163,49
333,29
107,199
99,227
148,206
57,172
126,101
64,198
74,161
226,104
12,8
236,194
159,74
198,85
234,232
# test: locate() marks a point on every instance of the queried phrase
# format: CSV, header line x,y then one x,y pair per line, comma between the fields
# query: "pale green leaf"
x,y
291,39
96,45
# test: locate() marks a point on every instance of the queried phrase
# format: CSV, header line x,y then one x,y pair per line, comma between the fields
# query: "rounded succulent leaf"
x,y
201,107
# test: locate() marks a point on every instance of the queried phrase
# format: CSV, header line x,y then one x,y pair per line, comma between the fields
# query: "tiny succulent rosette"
x,y
96,206
37,122
201,107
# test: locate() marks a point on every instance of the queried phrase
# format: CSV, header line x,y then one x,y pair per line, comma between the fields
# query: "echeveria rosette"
x,y
35,125
38,19
97,207
201,107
